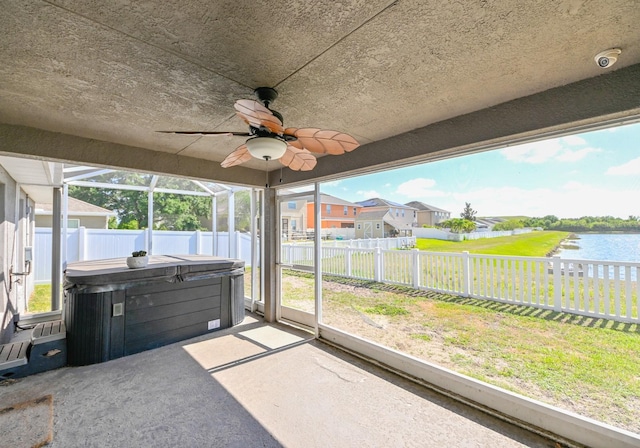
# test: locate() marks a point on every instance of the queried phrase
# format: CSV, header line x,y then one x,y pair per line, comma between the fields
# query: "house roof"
x,y
377,213
379,202
328,199
410,81
422,206
75,207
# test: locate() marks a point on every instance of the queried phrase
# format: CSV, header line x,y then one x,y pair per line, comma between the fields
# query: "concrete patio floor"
x,y
255,385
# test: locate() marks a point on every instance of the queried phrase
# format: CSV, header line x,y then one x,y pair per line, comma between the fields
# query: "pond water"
x,y
609,247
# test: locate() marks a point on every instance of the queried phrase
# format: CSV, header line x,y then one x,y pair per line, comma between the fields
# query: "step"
x,y
48,332
13,358
45,350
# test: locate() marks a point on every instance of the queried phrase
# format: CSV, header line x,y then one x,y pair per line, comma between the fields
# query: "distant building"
x,y
293,218
80,214
380,218
428,214
483,224
335,213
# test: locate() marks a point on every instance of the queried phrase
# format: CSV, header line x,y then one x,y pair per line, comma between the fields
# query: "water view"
x,y
606,247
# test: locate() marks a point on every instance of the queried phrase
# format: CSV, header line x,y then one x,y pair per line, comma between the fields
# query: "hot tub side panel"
x,y
93,334
161,314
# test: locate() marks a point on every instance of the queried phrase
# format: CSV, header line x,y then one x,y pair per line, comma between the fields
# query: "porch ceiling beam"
x,y
23,141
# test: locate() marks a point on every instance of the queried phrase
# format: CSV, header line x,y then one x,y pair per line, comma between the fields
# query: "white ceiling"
x,y
114,73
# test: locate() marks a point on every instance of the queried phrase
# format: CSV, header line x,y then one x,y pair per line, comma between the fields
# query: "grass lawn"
x,y
40,300
534,244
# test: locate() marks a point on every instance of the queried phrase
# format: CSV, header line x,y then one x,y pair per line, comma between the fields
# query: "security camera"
x,y
607,58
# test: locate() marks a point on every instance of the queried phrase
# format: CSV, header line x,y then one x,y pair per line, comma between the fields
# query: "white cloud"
x,y
547,150
574,156
574,185
536,152
419,188
333,183
632,167
573,140
367,194
573,200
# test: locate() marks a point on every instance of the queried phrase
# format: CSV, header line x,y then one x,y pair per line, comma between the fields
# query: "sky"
x,y
590,174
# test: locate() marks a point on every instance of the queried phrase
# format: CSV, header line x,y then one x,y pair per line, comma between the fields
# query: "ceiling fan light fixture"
x,y
266,148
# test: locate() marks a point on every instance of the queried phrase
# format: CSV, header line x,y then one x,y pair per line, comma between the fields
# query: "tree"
x,y
171,211
468,213
511,224
458,225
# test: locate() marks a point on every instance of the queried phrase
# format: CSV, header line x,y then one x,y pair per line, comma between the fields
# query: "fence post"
x,y
377,264
347,261
148,240
198,242
465,273
415,253
238,245
82,244
557,283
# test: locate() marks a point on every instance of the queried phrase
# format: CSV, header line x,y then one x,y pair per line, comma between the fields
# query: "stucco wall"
x,y
8,306
17,230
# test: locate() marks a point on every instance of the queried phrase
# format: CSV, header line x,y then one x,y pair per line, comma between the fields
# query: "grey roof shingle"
x,y
422,206
77,207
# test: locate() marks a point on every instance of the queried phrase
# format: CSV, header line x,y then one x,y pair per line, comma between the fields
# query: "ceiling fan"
x,y
270,140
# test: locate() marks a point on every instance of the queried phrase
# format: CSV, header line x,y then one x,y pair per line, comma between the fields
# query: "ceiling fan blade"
x,y
298,159
222,133
323,141
240,155
256,115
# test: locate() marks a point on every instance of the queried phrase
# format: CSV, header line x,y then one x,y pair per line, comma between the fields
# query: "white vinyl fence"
x,y
95,244
601,289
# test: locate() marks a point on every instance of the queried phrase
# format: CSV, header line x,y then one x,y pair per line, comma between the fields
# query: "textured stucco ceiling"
x,y
108,75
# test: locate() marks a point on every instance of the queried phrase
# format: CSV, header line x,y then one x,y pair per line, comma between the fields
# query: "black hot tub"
x,y
112,311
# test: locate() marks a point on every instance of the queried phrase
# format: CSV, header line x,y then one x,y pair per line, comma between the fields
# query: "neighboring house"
x,y
428,214
380,218
293,216
80,214
483,224
335,213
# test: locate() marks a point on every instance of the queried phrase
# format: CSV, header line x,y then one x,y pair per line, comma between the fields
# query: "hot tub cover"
x,y
113,274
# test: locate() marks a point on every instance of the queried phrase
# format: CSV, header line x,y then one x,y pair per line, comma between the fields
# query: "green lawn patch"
x,y
386,310
40,300
534,244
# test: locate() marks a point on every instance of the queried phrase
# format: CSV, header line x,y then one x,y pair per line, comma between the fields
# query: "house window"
x,y
403,213
355,210
293,224
328,209
346,210
359,227
397,212
73,223
291,205
377,226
